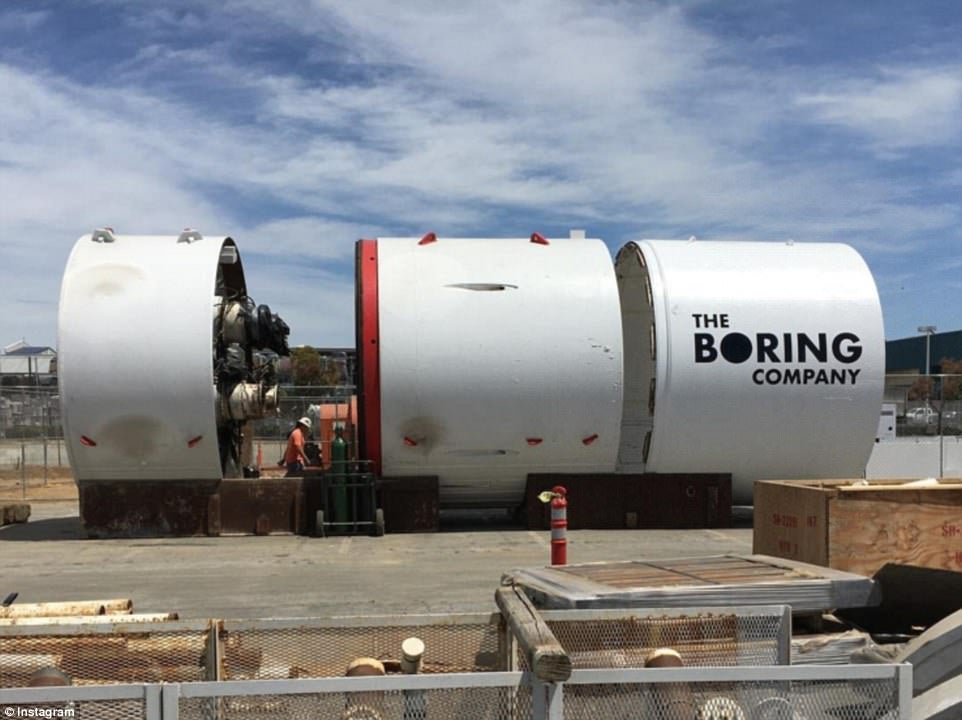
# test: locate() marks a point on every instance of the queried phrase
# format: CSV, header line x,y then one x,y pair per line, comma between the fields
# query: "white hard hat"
x,y
305,421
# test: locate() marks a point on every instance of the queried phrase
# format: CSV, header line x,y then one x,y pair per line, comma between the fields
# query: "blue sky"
x,y
299,126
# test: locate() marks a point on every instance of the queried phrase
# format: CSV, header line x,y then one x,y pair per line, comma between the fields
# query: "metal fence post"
x,y
785,637
153,705
556,701
23,470
539,699
904,675
170,701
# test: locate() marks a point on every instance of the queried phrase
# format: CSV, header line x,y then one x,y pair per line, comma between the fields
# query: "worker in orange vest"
x,y
294,456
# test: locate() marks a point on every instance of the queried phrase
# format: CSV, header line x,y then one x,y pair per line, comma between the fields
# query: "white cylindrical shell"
x,y
136,357
498,358
761,412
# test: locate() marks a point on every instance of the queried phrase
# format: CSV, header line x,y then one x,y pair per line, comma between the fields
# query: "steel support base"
x,y
602,501
235,506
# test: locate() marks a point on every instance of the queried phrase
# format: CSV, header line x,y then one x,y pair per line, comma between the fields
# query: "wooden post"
x,y
87,619
57,609
546,658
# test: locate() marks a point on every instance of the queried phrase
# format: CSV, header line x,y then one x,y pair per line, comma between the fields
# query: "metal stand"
x,y
363,515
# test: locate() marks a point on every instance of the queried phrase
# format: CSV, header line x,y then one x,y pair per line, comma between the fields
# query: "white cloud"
x,y
483,118
22,20
902,108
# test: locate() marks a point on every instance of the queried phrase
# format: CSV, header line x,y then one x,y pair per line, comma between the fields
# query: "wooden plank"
x,y
864,535
790,521
89,619
546,658
858,526
60,609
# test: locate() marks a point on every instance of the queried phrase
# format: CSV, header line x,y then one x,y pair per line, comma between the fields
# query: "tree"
x,y
330,375
306,366
951,386
921,389
284,370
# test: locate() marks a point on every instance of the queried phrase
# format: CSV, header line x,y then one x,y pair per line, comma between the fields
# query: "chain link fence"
x,y
924,405
328,407
32,451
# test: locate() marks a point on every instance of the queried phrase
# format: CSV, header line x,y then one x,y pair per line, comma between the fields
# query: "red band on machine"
x,y
194,440
84,440
534,441
410,442
590,439
369,354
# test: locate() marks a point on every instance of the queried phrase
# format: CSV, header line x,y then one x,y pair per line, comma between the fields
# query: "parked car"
x,y
922,416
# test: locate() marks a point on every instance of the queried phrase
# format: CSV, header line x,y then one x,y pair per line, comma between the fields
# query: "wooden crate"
x,y
860,527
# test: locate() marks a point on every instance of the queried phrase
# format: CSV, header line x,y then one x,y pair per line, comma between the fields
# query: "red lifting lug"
x,y
84,440
410,442
534,441
428,239
194,440
590,439
538,239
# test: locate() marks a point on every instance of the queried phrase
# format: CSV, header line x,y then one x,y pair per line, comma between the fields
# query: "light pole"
x,y
928,330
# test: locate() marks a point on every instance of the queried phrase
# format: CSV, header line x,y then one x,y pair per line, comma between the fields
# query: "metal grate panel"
x,y
716,637
96,656
268,649
99,709
478,703
790,700
102,702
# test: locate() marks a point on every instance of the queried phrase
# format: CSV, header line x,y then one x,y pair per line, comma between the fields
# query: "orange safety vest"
x,y
295,446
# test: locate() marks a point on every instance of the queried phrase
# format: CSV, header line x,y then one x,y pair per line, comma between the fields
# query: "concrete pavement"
x,y
289,576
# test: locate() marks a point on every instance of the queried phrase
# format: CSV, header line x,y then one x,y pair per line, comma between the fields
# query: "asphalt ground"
x,y
456,570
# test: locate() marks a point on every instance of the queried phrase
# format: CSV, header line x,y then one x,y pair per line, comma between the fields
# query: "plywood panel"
x,y
865,534
790,521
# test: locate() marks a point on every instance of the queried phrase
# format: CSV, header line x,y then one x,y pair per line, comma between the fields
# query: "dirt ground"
x,y
59,485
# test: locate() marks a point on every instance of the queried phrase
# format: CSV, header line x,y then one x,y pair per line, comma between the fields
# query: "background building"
x,y
29,364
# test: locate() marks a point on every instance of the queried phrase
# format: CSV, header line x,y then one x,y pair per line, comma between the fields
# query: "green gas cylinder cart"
x,y
348,495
